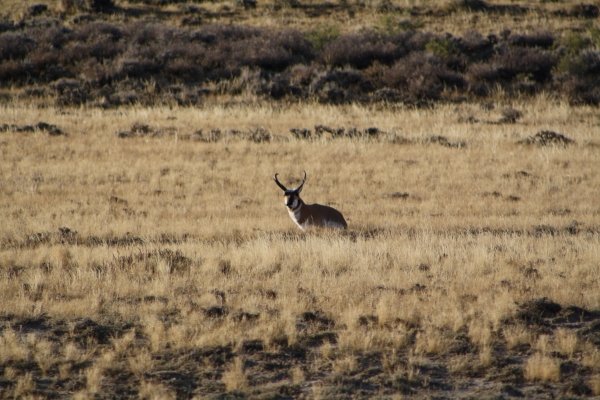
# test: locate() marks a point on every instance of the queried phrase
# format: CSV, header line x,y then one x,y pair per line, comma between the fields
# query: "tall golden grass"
x,y
190,243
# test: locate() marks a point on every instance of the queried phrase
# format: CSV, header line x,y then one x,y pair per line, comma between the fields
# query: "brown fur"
x,y
306,215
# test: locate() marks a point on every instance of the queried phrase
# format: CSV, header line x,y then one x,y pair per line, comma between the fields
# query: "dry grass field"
x,y
144,253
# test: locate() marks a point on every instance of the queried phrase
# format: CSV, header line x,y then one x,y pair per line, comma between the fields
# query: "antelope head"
x,y
291,196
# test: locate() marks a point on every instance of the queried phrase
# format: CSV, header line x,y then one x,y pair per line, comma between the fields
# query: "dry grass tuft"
x,y
544,344
11,347
486,356
517,335
44,354
24,385
93,378
297,375
480,333
594,383
345,365
540,367
234,377
140,362
566,342
155,391
591,357
431,342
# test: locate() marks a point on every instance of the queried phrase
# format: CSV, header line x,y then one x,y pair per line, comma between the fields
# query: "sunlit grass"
x,y
177,245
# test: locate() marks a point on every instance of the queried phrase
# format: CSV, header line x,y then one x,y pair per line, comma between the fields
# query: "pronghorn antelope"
x,y
307,215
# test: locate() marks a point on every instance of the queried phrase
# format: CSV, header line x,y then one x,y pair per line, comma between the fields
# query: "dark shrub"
x,y
537,63
99,47
97,74
375,74
340,86
15,45
442,47
106,30
273,51
102,49
470,5
54,38
138,68
150,36
590,64
72,53
46,66
88,5
279,86
476,47
322,35
506,66
70,92
583,92
183,68
225,51
157,2
101,5
122,97
489,73
415,41
582,82
446,48
570,49
12,71
361,50
585,64
114,62
387,95
585,11
6,26
421,77
302,75
36,9
217,33
544,40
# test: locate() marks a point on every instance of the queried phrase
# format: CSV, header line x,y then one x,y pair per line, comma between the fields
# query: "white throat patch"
x,y
295,215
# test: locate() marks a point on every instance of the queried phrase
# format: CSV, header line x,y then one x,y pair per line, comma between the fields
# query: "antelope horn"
x,y
302,184
279,183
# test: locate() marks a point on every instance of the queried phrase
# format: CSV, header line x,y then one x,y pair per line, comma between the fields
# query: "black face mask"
x,y
292,194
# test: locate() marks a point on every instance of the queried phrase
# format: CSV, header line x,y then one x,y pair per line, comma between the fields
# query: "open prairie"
x,y
147,252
